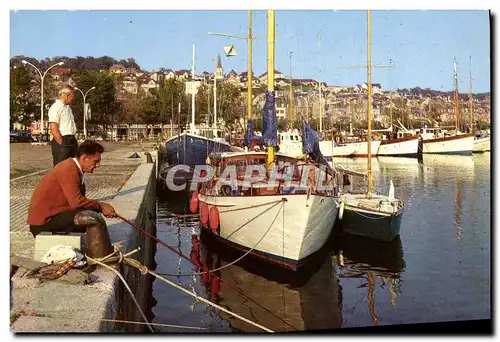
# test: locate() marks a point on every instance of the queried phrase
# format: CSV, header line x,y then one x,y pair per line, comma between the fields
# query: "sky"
x,y
324,43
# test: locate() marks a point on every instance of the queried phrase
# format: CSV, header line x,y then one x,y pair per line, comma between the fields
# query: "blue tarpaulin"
x,y
310,145
269,121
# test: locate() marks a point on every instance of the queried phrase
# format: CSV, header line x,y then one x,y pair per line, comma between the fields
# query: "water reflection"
x,y
287,300
373,262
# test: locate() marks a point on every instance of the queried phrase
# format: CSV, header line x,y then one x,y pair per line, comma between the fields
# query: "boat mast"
x,y
270,74
249,71
350,117
292,118
369,111
215,92
192,93
457,110
470,97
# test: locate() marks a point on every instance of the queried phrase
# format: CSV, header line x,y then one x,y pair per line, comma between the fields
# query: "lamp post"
x,y
84,110
42,76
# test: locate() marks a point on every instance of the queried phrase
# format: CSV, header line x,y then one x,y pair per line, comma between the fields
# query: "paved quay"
x,y
30,163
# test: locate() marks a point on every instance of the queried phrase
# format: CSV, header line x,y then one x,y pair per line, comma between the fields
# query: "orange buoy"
x,y
213,218
193,203
204,214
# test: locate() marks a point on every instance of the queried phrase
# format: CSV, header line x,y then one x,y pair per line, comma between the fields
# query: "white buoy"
x,y
341,210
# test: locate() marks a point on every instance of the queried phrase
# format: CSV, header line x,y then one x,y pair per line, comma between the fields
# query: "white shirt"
x,y
79,167
63,116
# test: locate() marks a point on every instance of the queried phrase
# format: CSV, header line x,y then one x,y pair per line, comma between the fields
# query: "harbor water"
x,y
437,270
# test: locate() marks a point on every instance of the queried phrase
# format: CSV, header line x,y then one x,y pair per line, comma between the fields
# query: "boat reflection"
x,y
374,261
309,299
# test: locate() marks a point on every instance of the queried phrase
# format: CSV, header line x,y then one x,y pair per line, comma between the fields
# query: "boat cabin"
x,y
289,170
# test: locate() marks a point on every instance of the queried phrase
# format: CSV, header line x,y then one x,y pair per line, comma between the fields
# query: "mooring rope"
x,y
241,257
185,257
126,286
144,270
47,314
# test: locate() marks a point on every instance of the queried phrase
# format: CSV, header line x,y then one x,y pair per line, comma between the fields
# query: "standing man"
x,y
60,195
62,126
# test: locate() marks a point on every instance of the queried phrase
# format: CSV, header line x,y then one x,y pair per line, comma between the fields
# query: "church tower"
x,y
219,72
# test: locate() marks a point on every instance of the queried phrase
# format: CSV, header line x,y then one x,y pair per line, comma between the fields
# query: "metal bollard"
x,y
149,159
97,237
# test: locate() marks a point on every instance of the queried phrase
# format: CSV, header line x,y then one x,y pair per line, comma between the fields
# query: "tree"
x,y
102,99
24,102
229,104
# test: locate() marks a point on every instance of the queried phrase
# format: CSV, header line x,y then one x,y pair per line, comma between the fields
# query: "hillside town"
x,y
326,106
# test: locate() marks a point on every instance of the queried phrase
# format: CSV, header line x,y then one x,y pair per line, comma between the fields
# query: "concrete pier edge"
x,y
81,307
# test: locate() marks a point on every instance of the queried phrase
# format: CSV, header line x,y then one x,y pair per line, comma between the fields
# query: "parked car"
x,y
20,136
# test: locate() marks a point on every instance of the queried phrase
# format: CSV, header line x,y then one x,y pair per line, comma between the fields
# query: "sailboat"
x,y
436,142
194,144
367,214
283,223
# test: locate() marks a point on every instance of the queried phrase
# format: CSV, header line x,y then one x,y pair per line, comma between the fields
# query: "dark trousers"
x,y
61,224
65,150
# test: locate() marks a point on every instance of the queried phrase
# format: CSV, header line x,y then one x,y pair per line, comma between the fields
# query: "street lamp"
x,y
41,98
84,110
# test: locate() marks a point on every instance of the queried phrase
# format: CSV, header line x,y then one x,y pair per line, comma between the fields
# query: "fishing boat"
x,y
371,215
436,141
351,146
481,144
192,146
283,221
400,144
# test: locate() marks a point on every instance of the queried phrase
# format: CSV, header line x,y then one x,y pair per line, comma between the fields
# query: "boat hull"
x,y
403,147
456,144
349,150
481,145
282,229
368,224
377,217
192,150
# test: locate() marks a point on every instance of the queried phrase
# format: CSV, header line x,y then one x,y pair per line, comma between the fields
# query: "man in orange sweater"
x,y
60,195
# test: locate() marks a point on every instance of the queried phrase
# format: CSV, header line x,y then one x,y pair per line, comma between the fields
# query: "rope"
x,y
185,257
247,252
251,207
127,287
48,315
208,302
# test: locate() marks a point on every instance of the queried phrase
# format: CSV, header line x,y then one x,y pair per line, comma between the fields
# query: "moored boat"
x,y
402,145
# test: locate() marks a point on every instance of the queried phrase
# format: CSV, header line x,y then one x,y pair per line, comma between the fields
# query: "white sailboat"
x,y
281,224
193,145
366,214
436,141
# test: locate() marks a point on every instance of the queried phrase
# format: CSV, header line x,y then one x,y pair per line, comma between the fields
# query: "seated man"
x,y
60,195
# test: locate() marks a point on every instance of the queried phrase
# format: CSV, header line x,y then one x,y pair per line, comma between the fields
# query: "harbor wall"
x,y
86,308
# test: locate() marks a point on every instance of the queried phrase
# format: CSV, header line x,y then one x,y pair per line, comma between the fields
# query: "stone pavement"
x,y
102,185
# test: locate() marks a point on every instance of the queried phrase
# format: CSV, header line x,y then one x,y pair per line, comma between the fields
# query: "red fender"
x,y
213,218
204,214
193,203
